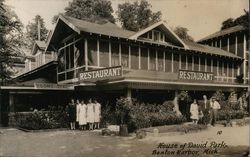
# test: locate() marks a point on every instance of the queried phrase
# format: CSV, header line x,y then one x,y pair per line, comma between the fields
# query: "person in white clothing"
x,y
214,107
82,112
97,111
194,112
90,114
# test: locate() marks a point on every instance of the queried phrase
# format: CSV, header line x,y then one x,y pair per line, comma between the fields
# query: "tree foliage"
x,y
137,15
182,33
32,30
90,10
242,20
10,40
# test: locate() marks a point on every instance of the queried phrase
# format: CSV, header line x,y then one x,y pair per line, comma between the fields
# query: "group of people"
x,y
85,114
207,108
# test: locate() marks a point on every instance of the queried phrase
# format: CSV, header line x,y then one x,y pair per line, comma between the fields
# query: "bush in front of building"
x,y
229,114
36,120
139,115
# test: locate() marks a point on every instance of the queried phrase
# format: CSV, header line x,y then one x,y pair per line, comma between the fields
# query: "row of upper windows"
x,y
136,57
154,35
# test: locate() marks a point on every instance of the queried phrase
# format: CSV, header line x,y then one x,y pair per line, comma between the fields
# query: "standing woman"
x,y
194,110
72,114
97,110
77,110
82,115
90,114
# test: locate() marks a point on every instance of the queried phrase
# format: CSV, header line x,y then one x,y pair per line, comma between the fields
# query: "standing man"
x,y
215,106
72,114
205,107
97,110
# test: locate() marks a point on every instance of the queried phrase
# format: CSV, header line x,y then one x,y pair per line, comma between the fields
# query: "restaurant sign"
x,y
101,74
196,75
51,86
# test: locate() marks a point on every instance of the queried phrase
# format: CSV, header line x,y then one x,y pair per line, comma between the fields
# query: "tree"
x,y
10,37
241,20
32,30
228,23
136,16
181,32
93,11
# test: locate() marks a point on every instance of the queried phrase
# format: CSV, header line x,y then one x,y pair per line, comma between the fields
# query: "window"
x,y
168,61
92,52
152,61
125,51
160,60
104,53
144,58
134,57
115,54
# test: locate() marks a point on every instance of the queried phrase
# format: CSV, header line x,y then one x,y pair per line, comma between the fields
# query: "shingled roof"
x,y
108,28
209,49
224,32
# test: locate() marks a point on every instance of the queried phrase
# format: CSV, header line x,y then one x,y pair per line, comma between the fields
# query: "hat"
x,y
213,97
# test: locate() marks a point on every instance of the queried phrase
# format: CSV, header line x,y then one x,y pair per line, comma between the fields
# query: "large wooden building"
x,y
104,61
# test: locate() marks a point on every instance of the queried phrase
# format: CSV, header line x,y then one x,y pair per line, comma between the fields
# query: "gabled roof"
x,y
108,28
224,32
167,31
38,45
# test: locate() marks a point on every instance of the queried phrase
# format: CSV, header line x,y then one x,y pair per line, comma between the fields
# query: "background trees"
x,y
137,15
242,20
94,11
32,30
182,33
10,40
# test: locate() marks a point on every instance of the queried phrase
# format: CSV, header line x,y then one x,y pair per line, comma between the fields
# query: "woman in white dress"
x,y
82,115
90,114
97,111
194,110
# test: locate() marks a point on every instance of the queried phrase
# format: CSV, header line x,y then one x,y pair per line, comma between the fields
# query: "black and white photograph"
x,y
124,78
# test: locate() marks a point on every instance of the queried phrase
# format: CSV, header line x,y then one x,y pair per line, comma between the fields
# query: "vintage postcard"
x,y
124,78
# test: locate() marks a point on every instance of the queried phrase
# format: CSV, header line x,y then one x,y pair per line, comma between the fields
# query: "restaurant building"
x,y
104,61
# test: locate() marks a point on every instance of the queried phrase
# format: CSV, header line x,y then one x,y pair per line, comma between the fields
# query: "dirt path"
x,y
75,143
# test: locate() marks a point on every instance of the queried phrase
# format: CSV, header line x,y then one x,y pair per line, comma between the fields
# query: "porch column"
x,y
176,104
98,53
236,45
244,62
129,93
228,44
11,103
86,53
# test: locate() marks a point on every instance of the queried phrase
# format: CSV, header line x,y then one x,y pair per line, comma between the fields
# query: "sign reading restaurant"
x,y
101,74
195,75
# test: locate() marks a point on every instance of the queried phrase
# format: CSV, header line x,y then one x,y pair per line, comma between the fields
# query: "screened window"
x,y
125,52
104,53
115,54
160,60
168,61
92,52
134,57
152,60
144,58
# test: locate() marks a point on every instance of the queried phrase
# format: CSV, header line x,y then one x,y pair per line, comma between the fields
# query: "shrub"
x,y
140,115
54,118
231,114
